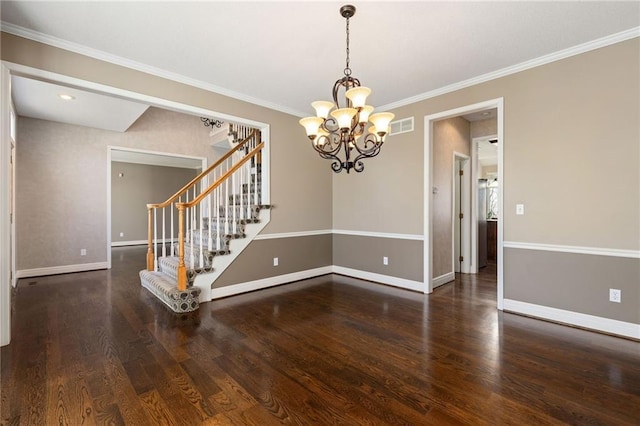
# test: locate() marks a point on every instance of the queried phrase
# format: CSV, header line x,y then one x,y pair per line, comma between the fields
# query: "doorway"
x,y
430,190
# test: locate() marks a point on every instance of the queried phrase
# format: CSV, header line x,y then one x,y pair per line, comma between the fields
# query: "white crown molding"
x,y
416,237
592,322
55,270
138,66
523,66
596,251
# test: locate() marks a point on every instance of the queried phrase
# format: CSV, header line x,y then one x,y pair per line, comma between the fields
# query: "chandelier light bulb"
x,y
381,122
311,125
322,108
358,96
344,116
366,110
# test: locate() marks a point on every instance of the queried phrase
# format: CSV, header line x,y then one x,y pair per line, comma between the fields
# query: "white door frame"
x,y
465,247
497,103
5,219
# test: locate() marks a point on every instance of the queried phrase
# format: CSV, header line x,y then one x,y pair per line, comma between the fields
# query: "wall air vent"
x,y
401,126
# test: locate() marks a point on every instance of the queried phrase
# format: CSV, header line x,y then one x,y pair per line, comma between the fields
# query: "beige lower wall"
x,y
366,253
294,254
574,282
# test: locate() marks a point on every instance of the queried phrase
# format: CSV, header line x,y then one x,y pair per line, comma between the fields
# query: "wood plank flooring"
x,y
96,348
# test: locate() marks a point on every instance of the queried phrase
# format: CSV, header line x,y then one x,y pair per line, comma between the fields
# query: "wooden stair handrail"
x,y
222,178
182,269
203,174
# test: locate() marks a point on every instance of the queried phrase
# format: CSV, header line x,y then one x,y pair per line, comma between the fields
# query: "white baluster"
x,y
209,224
233,206
173,238
217,207
225,201
155,240
201,257
164,250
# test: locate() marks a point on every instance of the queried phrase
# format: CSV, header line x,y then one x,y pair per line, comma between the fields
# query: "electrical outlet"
x,y
615,295
385,260
122,234
275,261
519,209
83,252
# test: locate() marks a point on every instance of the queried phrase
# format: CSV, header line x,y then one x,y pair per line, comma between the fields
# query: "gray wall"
x,y
141,184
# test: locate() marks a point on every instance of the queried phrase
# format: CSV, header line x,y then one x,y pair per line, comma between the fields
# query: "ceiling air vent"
x,y
401,126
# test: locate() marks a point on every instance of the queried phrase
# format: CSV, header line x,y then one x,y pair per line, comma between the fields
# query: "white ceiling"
x,y
287,54
39,99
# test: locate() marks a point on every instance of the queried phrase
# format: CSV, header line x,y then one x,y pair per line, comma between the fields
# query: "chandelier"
x,y
352,131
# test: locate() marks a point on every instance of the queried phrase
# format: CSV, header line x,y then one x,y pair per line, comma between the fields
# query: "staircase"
x,y
213,216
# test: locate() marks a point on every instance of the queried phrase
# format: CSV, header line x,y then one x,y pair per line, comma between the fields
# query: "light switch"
x,y
519,209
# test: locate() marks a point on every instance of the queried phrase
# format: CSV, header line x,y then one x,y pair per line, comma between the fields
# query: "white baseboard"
x,y
168,241
65,269
592,322
443,279
128,243
384,279
217,293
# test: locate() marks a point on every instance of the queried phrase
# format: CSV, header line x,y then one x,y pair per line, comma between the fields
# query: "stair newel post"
x,y
150,254
182,270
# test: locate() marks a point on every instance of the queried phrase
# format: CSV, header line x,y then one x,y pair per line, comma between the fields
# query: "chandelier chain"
x,y
347,70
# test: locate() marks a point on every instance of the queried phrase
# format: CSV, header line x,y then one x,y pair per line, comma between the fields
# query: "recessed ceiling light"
x,y
66,97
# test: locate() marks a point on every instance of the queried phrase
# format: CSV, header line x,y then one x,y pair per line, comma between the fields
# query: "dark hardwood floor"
x,y
96,348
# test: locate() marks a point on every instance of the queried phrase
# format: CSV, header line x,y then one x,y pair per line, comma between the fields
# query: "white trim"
x,y
523,66
5,220
65,269
596,251
497,103
379,278
379,234
217,293
292,234
140,242
443,279
592,322
138,66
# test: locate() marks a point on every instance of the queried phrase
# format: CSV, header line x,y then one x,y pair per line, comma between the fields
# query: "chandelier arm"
x,y
370,144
